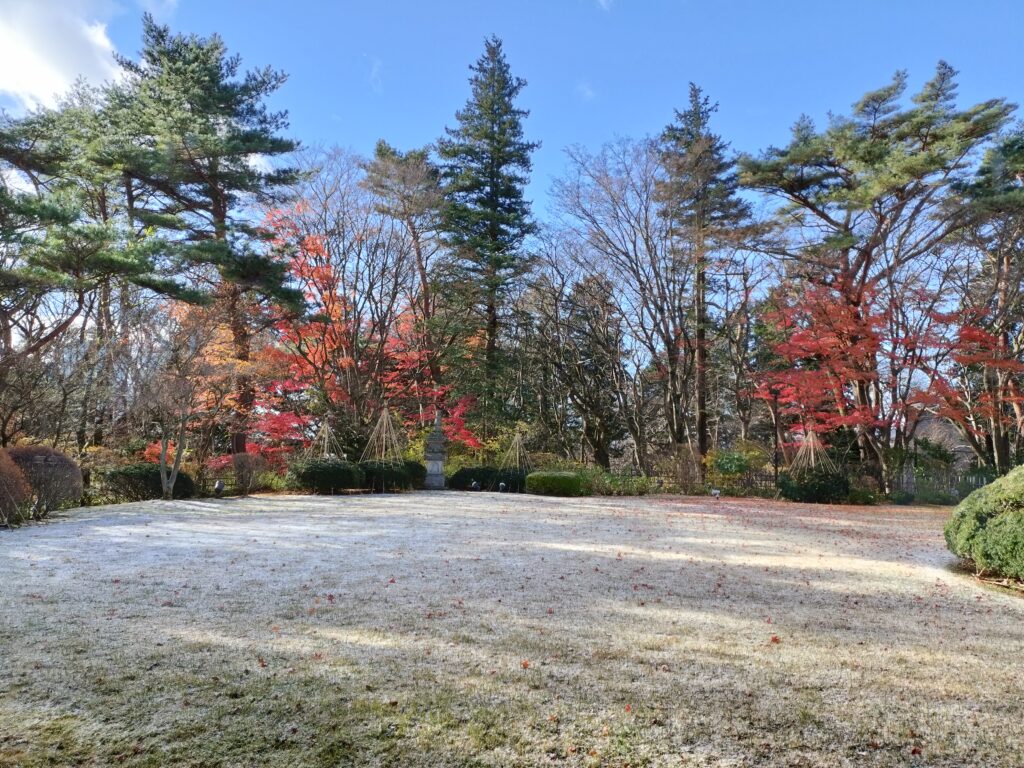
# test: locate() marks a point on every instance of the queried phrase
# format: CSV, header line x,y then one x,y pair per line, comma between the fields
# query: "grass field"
x,y
477,629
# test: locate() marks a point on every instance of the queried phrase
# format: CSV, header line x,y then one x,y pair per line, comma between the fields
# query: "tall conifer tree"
x,y
486,165
698,197
197,141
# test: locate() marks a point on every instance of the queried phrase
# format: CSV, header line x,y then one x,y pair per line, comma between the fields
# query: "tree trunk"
x,y
245,390
701,360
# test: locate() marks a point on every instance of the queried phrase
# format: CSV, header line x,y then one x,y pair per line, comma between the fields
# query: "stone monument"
x,y
435,454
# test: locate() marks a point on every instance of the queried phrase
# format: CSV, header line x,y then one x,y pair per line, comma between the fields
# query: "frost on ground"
x,y
478,629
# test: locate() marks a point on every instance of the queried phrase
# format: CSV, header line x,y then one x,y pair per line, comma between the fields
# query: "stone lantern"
x,y
435,454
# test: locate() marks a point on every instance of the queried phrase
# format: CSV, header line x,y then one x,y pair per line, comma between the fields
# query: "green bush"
x,y
903,498
598,482
999,549
326,475
861,495
973,480
489,478
139,482
987,528
731,470
815,485
273,481
930,494
416,474
384,476
55,479
555,483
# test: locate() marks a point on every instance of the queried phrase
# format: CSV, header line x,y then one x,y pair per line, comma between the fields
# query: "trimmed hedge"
x,y
815,485
598,482
987,528
489,478
55,479
327,476
555,483
14,492
416,474
140,482
384,476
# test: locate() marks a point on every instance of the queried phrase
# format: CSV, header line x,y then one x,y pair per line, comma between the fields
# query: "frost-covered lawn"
x,y
477,629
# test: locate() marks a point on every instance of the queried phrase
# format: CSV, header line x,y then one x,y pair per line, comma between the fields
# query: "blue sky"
x,y
596,69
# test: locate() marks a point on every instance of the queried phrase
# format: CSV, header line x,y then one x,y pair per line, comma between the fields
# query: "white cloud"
x,y
162,10
585,91
606,5
15,181
45,45
259,163
376,70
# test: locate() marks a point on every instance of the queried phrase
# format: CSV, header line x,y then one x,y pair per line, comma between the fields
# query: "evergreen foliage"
x,y
987,528
488,479
141,482
815,485
485,165
555,483
327,475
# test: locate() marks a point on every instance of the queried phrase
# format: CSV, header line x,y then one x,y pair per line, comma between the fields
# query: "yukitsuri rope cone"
x,y
516,459
812,455
385,445
325,445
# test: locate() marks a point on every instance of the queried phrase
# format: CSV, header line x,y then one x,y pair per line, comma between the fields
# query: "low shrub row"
x,y
328,475
598,482
488,479
141,481
564,480
815,485
562,483
987,528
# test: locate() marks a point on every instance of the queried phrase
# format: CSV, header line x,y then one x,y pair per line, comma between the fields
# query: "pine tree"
x,y
63,235
699,199
485,167
863,208
197,138
408,189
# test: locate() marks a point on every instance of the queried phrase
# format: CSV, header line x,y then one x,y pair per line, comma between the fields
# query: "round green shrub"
x,y
326,475
489,479
139,482
555,483
987,528
815,485
55,479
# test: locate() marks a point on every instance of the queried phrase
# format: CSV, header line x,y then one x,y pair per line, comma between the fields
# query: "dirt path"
x,y
478,629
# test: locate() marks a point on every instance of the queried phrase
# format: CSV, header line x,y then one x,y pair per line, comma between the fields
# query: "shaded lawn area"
x,y
477,629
